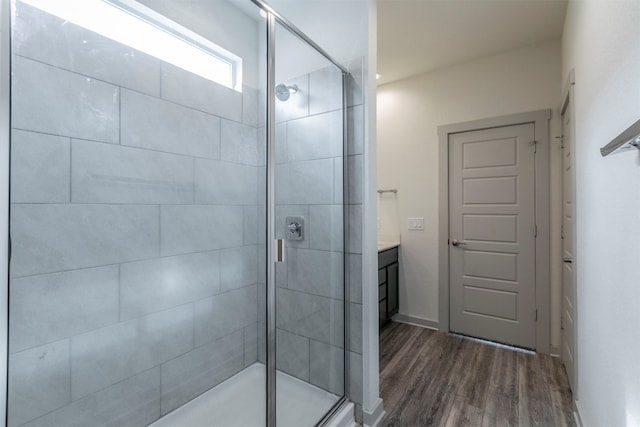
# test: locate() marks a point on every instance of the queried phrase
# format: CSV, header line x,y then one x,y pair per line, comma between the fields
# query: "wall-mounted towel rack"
x,y
627,140
390,190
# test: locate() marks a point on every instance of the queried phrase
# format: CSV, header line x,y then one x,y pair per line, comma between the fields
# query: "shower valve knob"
x,y
295,225
294,228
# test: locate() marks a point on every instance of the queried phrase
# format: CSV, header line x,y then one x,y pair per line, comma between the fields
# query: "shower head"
x,y
283,92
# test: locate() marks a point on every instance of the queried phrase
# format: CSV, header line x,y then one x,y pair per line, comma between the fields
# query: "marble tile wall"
x,y
134,224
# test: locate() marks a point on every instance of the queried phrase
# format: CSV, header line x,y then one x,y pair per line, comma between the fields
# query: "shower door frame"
x,y
274,17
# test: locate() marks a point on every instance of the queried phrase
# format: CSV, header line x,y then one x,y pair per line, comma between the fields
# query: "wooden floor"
x,y
429,378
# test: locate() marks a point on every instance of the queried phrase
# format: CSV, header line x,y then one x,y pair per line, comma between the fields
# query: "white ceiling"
x,y
417,36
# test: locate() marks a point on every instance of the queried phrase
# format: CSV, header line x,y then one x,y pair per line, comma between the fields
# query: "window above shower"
x,y
137,26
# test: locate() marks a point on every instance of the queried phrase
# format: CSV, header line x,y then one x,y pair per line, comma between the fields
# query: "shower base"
x,y
240,402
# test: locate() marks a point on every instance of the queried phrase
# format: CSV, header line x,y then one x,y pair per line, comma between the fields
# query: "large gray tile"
x,y
193,373
355,178
226,183
250,344
355,328
50,238
239,143
325,90
54,306
106,356
315,137
51,100
155,124
222,314
316,272
281,143
195,228
354,277
338,181
355,130
157,284
40,168
130,403
298,103
238,267
326,231
250,106
262,343
312,316
307,182
251,227
49,39
327,367
39,381
292,354
106,173
354,229
196,92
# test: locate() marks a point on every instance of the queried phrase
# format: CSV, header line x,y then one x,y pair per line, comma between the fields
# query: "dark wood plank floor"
x,y
429,378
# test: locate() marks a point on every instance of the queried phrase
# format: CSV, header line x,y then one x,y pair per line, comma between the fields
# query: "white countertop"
x,y
383,246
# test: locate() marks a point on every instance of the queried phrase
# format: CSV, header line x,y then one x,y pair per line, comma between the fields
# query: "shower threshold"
x,y
240,402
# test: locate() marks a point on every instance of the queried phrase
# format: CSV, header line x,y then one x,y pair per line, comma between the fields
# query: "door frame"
x,y
540,119
568,107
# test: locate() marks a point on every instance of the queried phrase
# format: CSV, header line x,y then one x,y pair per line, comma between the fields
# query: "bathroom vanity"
x,y
387,281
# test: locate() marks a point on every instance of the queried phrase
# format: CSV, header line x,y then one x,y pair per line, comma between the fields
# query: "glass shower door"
x,y
309,216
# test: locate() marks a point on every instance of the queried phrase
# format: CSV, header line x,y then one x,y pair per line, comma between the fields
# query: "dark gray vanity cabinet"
x,y
387,284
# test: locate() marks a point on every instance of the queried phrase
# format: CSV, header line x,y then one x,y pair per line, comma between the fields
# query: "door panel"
x,y
492,268
309,214
568,283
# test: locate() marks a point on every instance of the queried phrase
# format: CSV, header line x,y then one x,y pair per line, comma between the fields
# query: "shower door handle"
x,y
279,250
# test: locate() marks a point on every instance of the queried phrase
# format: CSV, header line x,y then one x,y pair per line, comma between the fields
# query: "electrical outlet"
x,y
415,224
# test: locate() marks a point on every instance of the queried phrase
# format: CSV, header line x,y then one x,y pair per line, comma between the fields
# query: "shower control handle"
x,y
294,228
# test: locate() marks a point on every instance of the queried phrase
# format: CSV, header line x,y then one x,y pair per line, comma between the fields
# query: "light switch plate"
x,y
415,223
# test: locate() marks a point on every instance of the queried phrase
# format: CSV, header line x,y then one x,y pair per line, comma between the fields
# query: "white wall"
x,y
409,112
602,42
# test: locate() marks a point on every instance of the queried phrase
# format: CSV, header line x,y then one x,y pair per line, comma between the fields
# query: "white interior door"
x,y
568,283
492,234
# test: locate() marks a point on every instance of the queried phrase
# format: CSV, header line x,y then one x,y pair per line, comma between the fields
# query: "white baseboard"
x,y
554,351
416,321
373,418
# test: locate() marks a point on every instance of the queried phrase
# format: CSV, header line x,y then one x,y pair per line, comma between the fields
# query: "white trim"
x,y
5,131
540,119
416,321
554,351
568,99
577,413
374,418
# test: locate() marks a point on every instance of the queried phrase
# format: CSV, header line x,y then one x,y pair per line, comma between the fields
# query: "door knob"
x,y
456,242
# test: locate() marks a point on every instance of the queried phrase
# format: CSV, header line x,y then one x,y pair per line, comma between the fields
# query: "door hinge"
x,y
534,144
535,231
536,315
562,322
561,138
562,231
